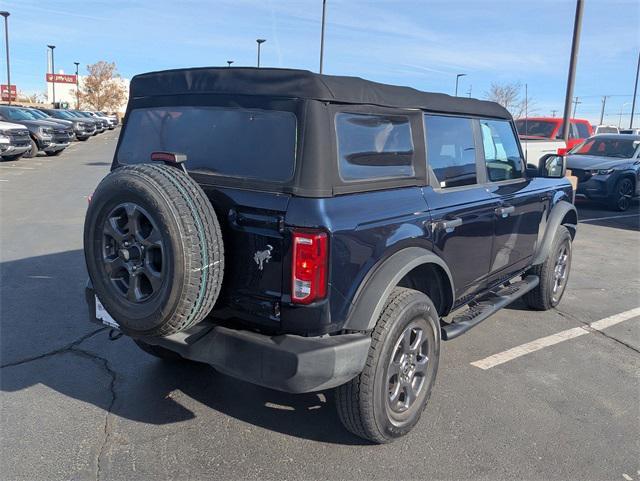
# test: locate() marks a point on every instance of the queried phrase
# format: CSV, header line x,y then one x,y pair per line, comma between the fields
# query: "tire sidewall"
x,y
420,307
119,187
563,237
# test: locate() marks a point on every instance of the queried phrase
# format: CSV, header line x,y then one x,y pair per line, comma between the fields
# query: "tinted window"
x,y
374,146
536,128
451,152
501,153
258,144
619,148
583,130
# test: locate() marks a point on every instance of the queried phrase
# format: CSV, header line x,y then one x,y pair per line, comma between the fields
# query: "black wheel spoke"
x,y
154,239
154,278
114,266
112,230
133,290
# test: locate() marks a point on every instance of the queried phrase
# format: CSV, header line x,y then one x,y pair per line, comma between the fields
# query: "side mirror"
x,y
553,166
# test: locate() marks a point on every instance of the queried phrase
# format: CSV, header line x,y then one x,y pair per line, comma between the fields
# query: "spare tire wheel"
x,y
153,249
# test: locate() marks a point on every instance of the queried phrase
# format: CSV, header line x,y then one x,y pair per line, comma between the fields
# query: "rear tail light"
x,y
309,269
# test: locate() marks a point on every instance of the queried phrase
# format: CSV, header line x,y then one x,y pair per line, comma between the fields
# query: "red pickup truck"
x,y
551,128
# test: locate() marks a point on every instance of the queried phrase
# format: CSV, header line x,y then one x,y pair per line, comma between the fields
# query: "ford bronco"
x,y
306,232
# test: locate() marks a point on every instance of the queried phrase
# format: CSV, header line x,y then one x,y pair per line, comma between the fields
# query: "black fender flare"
x,y
374,290
554,220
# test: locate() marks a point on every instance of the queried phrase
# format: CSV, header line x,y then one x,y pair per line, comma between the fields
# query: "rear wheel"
x,y
553,274
622,194
386,400
54,154
11,157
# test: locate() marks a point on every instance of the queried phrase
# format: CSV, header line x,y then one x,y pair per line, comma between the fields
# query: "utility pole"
x,y
553,113
229,62
469,91
6,42
324,11
604,102
575,47
575,106
633,104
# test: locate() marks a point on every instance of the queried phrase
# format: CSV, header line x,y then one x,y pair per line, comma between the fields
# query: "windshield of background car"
x,y
536,128
619,148
16,114
236,142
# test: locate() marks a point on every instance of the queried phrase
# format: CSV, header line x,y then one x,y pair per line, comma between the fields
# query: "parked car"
x,y
630,131
39,115
46,136
111,116
14,140
608,169
307,232
99,125
103,122
83,128
544,135
605,129
111,124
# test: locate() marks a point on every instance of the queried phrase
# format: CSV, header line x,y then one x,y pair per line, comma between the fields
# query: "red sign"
x,y
4,89
61,78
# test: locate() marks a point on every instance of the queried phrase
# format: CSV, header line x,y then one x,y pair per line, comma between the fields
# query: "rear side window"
x,y
248,143
374,146
451,152
501,153
583,130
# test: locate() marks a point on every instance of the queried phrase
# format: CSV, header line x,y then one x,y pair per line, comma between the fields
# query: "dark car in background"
x,y
101,125
83,128
46,136
608,169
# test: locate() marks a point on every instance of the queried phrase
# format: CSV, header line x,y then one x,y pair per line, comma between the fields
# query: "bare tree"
x,y
101,89
511,97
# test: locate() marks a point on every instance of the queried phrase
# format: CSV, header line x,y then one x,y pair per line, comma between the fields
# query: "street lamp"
x,y
458,78
260,41
53,78
77,87
229,62
6,40
324,9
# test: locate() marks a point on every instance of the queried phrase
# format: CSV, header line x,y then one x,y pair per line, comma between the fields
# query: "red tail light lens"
x,y
309,269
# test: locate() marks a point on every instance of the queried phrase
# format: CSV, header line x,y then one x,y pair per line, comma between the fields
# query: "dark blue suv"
x,y
306,232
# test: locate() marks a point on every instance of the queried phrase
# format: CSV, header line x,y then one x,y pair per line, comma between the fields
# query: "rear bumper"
x,y
285,362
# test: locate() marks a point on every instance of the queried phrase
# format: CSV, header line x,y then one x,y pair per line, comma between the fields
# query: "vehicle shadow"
x,y
590,213
37,323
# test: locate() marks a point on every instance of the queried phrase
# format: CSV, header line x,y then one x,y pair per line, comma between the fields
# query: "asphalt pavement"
x,y
76,405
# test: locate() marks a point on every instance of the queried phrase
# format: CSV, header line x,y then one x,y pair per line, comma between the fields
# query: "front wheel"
x,y
32,152
386,400
553,273
622,194
54,154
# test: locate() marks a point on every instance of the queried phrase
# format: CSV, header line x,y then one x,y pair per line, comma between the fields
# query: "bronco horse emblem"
x,y
263,257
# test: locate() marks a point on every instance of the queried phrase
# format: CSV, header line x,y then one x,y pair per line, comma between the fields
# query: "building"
x,y
65,86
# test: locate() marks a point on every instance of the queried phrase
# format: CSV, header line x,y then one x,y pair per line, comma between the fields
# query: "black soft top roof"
x,y
291,83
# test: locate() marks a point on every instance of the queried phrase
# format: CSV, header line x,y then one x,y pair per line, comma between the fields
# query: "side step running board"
x,y
488,306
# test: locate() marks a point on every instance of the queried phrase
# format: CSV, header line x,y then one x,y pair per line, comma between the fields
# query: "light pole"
x,y
6,41
573,62
229,62
260,41
633,104
458,78
621,112
324,9
575,106
77,86
53,71
604,102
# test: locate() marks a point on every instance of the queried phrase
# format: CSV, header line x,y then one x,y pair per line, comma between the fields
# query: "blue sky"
x,y
421,43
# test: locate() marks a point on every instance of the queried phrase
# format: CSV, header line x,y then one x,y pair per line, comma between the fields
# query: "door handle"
x,y
505,211
449,225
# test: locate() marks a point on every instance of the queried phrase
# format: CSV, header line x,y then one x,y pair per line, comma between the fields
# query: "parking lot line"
x,y
609,217
529,347
17,168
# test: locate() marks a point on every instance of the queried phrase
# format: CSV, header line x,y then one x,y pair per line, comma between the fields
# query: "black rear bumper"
x,y
285,362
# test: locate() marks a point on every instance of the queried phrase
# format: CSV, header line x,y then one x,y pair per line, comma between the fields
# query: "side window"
x,y
501,153
583,130
451,152
374,146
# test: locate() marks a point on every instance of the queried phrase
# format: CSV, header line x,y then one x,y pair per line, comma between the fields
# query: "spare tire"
x,y
153,249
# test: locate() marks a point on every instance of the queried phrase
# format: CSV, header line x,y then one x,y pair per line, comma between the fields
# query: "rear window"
x,y
374,146
249,143
536,128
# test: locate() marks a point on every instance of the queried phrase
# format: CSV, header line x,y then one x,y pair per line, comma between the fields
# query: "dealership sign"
x,y
4,89
61,78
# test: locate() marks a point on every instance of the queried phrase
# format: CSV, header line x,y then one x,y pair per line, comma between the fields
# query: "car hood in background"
x,y
586,162
11,125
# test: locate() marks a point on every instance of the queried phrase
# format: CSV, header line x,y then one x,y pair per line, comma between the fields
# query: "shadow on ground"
x,y
47,340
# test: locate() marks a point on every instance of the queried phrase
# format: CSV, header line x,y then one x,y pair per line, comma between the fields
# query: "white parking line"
x,y
518,351
610,217
17,168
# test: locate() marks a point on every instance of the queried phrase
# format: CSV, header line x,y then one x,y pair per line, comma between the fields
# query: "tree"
x,y
102,89
510,97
